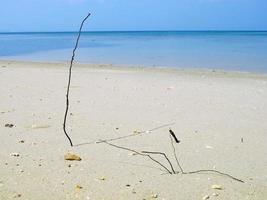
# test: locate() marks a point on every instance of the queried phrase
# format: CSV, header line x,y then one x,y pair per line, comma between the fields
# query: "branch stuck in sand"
x,y
69,80
172,135
138,153
172,171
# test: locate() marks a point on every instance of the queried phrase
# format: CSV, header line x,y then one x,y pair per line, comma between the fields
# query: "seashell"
x,y
217,187
72,157
35,126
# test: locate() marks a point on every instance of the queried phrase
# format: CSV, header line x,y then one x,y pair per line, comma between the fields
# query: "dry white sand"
x,y
219,117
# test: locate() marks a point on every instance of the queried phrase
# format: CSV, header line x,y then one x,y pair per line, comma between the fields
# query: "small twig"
x,y
174,136
69,80
134,134
175,155
138,153
215,171
160,153
199,171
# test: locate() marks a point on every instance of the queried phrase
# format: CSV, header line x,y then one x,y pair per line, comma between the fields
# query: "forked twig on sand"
x,y
69,80
138,153
197,171
172,171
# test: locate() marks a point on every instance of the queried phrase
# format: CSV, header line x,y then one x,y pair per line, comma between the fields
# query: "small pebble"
x,y
102,178
136,132
133,154
9,125
17,195
206,197
154,196
79,187
14,154
128,185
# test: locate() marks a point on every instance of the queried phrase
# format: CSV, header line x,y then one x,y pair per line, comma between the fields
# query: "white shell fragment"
x,y
35,126
217,187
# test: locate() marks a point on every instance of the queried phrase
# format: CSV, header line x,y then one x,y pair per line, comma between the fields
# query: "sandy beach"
x,y
219,118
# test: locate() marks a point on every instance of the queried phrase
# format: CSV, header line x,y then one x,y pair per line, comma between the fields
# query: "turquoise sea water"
x,y
239,50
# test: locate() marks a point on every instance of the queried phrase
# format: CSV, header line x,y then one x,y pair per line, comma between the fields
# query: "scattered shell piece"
x,y
79,187
215,194
35,126
217,187
154,196
72,157
15,154
206,197
209,147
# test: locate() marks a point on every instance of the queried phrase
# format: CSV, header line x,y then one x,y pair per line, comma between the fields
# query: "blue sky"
x,y
65,15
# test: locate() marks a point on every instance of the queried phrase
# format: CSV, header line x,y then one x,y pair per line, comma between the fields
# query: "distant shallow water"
x,y
226,50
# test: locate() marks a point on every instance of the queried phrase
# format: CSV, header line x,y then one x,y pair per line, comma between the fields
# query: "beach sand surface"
x,y
219,118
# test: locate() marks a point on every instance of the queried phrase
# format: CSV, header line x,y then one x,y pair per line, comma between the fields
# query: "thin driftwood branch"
x,y
199,171
138,153
134,134
174,136
215,171
175,155
163,154
69,80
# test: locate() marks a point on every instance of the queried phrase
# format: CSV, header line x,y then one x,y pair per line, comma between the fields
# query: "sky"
x,y
132,15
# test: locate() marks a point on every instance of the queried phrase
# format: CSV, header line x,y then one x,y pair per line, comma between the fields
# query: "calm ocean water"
x,y
243,50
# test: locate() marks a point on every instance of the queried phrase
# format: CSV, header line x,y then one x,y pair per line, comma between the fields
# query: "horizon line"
x,y
114,31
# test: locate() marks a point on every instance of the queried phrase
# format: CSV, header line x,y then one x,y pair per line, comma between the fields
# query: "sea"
x,y
222,50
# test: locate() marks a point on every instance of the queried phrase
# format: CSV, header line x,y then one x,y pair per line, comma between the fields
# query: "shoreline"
x,y
161,69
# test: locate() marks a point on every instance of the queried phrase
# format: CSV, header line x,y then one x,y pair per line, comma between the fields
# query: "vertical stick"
x,y
69,80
